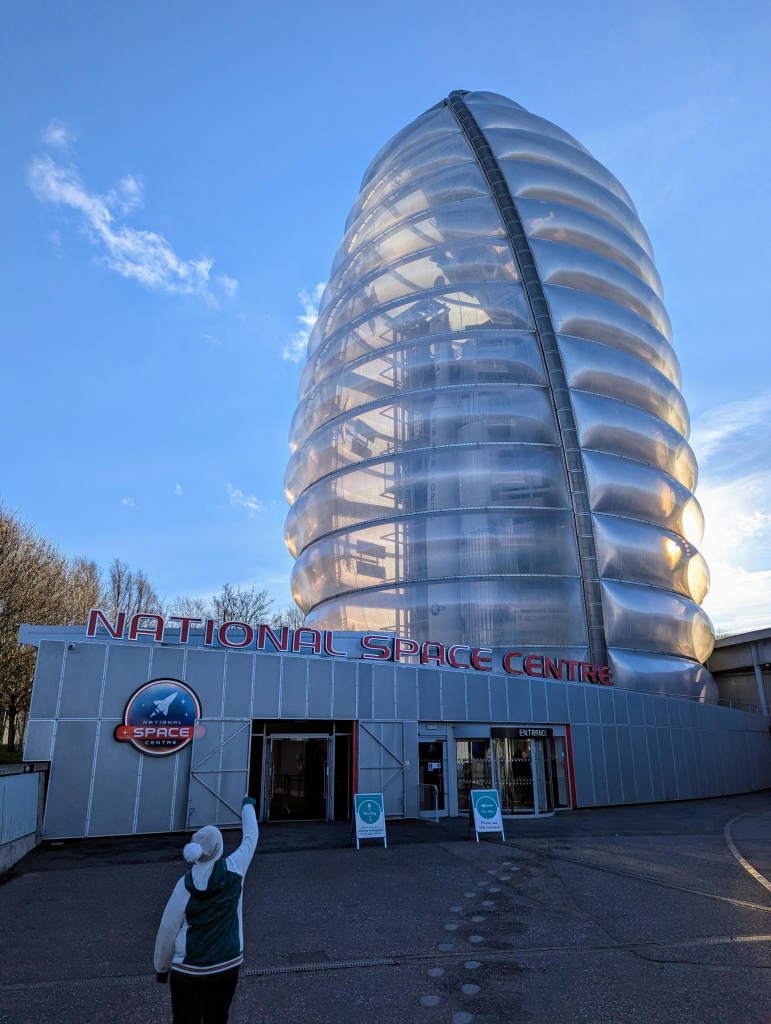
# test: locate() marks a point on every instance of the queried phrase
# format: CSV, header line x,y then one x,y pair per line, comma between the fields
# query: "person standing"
x,y
200,943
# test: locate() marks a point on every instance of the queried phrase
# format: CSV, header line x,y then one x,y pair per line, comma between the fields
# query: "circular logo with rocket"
x,y
160,717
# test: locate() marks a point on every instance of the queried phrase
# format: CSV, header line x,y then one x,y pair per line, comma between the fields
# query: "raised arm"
x,y
239,861
171,922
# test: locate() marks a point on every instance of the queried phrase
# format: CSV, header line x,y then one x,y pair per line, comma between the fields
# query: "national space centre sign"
x,y
374,646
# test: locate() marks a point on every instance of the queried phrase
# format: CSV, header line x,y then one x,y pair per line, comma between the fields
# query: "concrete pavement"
x,y
612,916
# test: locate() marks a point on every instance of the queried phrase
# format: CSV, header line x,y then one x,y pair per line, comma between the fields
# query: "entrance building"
x,y
153,736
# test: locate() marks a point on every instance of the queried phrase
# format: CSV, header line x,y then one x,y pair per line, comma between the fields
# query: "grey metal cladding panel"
x,y
670,771
407,694
205,672
612,765
498,709
635,707
39,740
713,753
115,786
168,662
238,684
655,761
48,673
364,697
702,776
627,764
728,752
582,766
477,698
598,764
557,699
453,696
267,685
592,698
156,795
607,709
383,689
319,688
620,706
70,781
642,771
576,703
82,683
183,759
744,772
519,700
690,763
648,709
293,687
538,700
128,668
345,690
430,685
693,713
661,711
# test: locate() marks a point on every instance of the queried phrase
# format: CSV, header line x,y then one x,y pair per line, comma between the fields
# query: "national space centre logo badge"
x,y
160,717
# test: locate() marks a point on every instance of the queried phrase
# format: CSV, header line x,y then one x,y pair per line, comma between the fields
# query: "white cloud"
x,y
129,502
214,342
56,133
731,445
248,502
228,284
143,256
178,490
297,345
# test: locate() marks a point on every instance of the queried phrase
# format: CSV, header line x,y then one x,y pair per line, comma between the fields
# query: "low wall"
x,y
22,792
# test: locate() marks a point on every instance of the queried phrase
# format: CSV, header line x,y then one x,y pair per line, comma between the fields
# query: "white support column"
x,y
759,679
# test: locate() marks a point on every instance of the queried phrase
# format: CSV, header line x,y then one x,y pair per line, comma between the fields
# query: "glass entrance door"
x,y
531,774
297,778
515,770
474,769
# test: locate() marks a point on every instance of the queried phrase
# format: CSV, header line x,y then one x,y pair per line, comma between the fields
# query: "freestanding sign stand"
x,y
369,817
486,808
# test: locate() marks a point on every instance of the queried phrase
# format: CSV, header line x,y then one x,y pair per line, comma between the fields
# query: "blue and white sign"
x,y
486,805
369,816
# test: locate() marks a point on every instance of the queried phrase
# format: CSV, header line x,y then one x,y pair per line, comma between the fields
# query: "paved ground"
x,y
616,916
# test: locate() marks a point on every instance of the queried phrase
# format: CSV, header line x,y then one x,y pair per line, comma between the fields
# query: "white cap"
x,y
206,845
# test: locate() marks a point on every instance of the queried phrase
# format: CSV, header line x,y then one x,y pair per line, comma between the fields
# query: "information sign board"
x,y
369,817
486,806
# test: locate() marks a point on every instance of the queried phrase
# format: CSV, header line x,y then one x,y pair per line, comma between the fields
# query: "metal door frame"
x,y
444,740
535,769
268,779
196,772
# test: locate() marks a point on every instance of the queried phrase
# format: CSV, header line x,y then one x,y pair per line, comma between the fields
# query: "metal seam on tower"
x,y
552,360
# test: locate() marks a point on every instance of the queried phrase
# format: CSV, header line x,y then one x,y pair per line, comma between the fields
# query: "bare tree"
x,y
239,604
129,590
191,608
291,616
39,584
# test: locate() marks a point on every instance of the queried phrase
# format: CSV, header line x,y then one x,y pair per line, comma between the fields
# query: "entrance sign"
x,y
486,807
159,717
369,817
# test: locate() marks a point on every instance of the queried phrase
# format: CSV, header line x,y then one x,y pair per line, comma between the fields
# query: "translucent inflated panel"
x,y
533,609
428,478
458,476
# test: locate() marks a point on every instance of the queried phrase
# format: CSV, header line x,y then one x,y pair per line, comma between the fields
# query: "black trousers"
x,y
204,999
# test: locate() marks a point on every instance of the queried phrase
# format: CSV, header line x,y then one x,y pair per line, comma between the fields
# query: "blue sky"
x,y
174,181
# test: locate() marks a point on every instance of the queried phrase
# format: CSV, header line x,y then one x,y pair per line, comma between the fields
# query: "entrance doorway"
x,y
529,771
301,770
297,778
431,774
